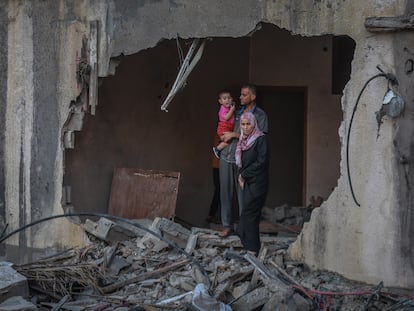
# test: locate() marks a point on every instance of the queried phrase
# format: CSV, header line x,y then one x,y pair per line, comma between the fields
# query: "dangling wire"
x,y
391,79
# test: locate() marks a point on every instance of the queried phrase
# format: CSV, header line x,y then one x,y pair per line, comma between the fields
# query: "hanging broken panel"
x,y
138,193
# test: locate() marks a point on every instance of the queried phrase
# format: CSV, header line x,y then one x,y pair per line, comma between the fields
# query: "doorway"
x,y
285,109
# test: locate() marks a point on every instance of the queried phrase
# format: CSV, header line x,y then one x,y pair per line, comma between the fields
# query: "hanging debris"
x,y
187,66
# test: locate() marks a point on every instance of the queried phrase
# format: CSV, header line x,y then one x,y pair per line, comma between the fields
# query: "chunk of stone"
x,y
240,290
12,283
109,231
253,300
279,299
170,230
173,231
281,212
295,211
231,241
191,243
283,302
198,276
117,264
301,303
187,285
150,241
100,229
208,251
17,303
276,286
279,260
274,214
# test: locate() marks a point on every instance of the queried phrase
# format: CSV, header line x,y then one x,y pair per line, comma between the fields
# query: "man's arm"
x,y
228,136
262,121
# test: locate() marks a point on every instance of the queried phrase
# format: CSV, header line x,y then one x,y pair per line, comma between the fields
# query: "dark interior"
x,y
294,78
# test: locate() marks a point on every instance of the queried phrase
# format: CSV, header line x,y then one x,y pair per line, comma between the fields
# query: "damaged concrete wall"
x,y
369,243
3,96
33,109
44,48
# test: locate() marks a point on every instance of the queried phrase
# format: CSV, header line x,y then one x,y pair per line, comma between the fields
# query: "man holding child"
x,y
229,171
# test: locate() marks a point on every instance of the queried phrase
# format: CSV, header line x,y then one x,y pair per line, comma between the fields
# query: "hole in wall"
x,y
295,77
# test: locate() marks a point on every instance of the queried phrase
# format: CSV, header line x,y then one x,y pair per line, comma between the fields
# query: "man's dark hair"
x,y
252,88
223,91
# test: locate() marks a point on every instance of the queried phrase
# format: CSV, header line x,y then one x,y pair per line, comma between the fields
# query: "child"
x,y
226,119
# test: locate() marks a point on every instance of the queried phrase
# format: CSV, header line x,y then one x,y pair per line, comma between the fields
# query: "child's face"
x,y
225,99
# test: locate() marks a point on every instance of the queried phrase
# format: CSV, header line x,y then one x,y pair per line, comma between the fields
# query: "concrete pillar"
x,y
19,118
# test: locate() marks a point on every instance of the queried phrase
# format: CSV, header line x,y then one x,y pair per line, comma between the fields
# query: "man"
x,y
228,168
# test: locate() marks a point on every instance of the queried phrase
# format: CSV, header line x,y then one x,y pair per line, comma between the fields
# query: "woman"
x,y
252,158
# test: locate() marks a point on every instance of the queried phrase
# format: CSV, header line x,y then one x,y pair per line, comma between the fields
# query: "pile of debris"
x,y
163,266
287,215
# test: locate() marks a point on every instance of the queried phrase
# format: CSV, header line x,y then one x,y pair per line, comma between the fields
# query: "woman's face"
x,y
246,126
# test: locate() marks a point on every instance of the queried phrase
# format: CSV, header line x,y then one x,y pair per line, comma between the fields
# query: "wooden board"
x,y
137,193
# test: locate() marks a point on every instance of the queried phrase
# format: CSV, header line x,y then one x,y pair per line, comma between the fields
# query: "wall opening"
x,y
294,78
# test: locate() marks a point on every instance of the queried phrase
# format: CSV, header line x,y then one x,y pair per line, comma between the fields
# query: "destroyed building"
x,y
82,84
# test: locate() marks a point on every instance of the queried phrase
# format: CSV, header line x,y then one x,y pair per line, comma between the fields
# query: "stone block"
x,y
301,303
12,283
240,290
108,230
253,300
280,213
17,303
295,211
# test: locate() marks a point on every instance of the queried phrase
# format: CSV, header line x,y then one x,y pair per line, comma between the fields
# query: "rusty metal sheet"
x,y
138,193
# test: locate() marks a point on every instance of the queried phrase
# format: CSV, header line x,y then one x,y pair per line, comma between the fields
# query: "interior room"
x,y
300,82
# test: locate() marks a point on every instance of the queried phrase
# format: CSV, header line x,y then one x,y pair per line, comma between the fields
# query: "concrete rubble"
x,y
11,282
287,215
169,267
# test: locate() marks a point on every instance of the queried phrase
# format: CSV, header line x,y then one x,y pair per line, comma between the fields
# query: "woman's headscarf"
x,y
246,141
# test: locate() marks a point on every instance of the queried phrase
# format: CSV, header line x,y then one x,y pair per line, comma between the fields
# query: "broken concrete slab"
x,y
191,243
109,231
150,241
286,215
240,289
168,229
17,303
100,229
12,283
301,303
117,264
283,302
173,231
254,299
